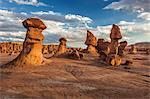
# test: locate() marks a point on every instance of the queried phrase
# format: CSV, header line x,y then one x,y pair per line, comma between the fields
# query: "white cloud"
x,y
144,15
46,13
69,18
11,26
78,17
138,30
29,2
130,5
72,27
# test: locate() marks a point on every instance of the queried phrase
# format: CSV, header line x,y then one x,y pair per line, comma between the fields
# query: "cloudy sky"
x,y
71,19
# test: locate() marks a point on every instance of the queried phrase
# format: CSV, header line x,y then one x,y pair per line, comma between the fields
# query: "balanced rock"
x,y
91,43
115,35
31,53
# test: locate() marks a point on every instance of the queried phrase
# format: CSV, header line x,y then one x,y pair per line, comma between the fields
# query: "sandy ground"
x,y
76,79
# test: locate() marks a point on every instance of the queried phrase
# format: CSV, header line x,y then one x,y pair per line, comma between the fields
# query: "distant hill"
x,y
142,45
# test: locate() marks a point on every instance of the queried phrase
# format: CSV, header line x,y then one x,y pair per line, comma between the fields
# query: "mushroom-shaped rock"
x,y
91,43
62,46
31,53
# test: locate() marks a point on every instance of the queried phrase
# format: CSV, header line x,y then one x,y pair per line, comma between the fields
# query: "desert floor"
x,y
63,78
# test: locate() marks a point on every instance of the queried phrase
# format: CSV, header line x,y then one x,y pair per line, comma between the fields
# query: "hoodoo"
x,y
112,52
91,43
31,53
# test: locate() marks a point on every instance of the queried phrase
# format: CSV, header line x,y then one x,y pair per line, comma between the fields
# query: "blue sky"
x,y
71,19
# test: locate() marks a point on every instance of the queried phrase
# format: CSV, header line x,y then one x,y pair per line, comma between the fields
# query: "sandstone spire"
x,y
91,43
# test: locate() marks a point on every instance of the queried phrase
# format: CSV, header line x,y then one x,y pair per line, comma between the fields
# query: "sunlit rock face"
x,y
91,43
31,53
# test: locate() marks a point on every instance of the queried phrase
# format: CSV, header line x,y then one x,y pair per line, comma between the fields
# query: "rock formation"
x,y
91,43
31,53
10,47
45,49
62,46
75,54
112,52
114,60
115,36
121,48
113,57
103,48
133,49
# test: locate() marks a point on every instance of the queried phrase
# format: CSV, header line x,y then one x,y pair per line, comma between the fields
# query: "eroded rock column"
x,y
113,57
32,46
91,43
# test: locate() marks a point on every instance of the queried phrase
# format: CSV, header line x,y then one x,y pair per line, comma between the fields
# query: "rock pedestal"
x,y
113,58
32,46
91,43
